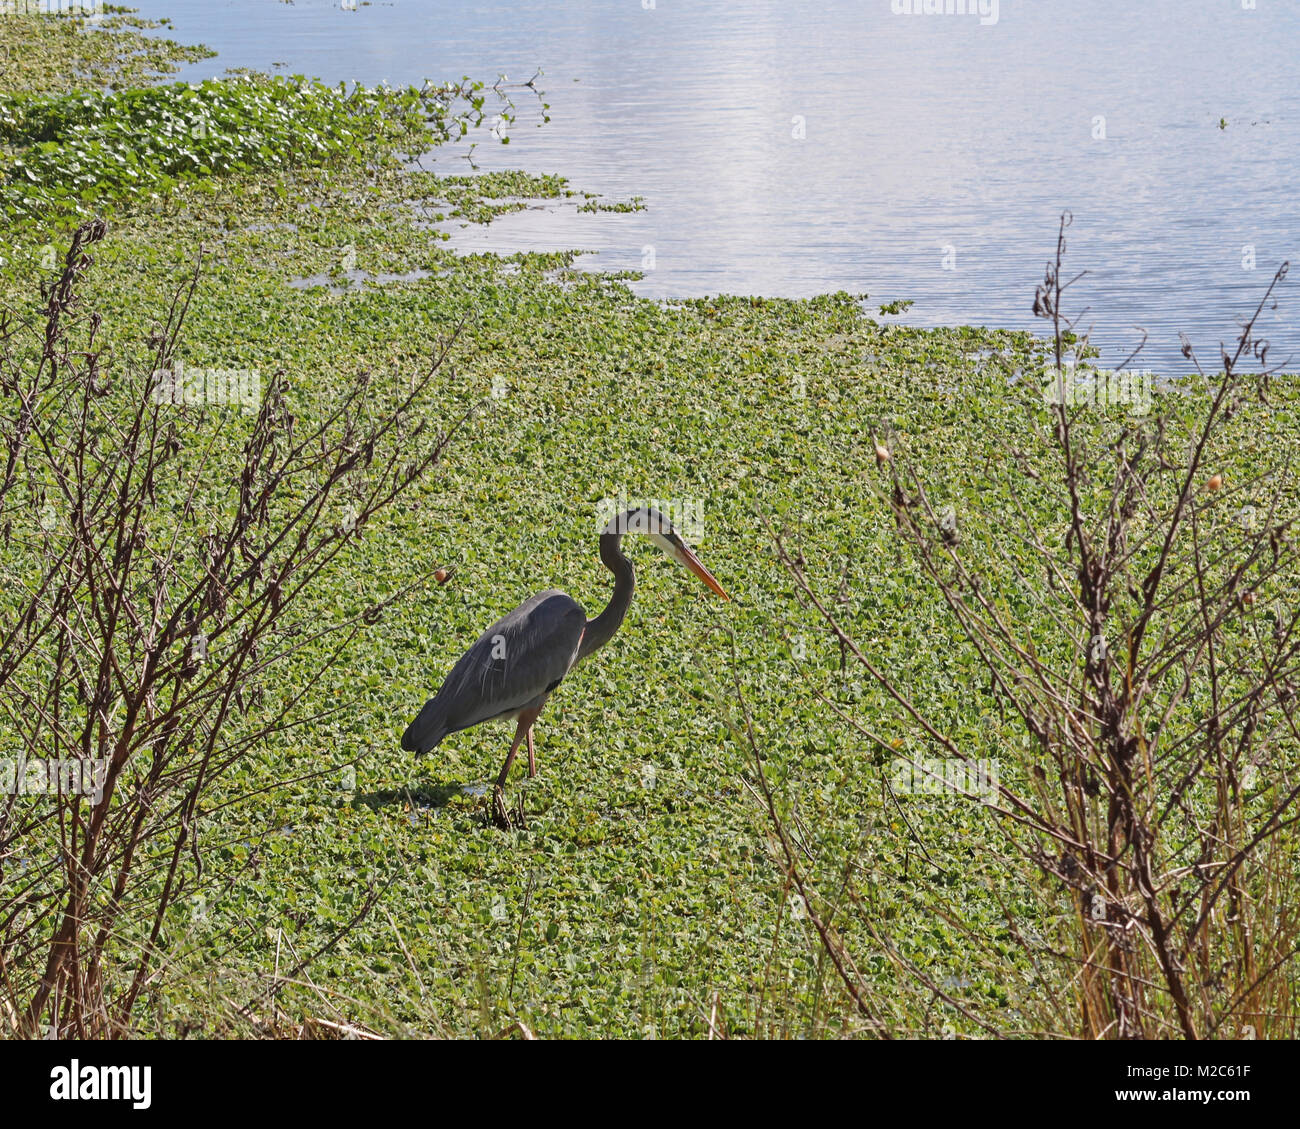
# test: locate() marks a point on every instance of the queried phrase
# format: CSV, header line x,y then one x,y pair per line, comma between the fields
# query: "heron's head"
x,y
660,531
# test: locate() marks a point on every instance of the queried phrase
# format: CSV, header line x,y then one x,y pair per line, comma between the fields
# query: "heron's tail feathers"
x,y
428,728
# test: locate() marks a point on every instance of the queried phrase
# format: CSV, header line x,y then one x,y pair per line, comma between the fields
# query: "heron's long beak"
x,y
691,561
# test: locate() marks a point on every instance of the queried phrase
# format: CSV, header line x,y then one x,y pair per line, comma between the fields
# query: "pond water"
x,y
792,149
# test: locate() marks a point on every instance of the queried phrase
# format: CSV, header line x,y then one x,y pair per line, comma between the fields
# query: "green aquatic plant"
x,y
76,153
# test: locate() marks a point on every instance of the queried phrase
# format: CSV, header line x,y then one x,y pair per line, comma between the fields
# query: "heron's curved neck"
x,y
601,629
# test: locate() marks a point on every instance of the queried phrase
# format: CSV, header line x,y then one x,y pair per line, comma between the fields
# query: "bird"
x,y
515,665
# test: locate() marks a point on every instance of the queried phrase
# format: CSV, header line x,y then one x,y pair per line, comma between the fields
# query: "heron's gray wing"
x,y
516,661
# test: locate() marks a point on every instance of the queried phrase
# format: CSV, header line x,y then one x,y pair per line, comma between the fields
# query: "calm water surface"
x,y
793,149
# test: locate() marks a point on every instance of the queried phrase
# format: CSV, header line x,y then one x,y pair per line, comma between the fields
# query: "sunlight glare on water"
x,y
788,149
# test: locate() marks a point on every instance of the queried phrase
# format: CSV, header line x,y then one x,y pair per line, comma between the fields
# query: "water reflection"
x,y
789,149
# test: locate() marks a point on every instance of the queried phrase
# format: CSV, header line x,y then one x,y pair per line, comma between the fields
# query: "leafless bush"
x,y
157,573
1150,658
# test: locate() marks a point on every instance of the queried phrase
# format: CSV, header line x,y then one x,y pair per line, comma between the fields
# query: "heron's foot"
x,y
500,816
503,817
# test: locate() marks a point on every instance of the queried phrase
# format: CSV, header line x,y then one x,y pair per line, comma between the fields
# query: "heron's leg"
x,y
523,728
520,730
532,757
499,814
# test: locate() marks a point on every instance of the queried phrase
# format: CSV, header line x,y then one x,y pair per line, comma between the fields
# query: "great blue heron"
x,y
516,663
